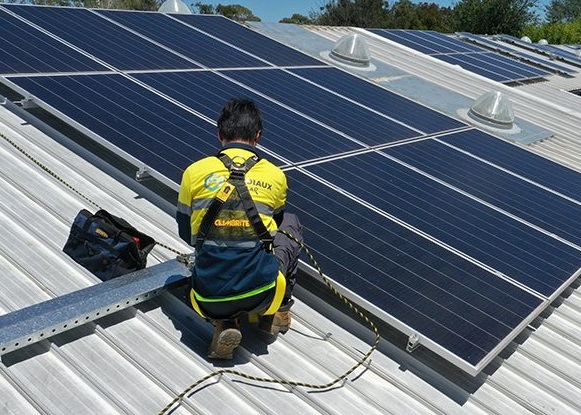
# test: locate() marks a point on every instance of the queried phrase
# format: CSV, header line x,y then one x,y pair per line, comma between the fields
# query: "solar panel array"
x,y
468,56
548,50
495,45
441,230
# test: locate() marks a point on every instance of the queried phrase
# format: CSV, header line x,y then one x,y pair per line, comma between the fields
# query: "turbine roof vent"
x,y
351,50
492,111
174,6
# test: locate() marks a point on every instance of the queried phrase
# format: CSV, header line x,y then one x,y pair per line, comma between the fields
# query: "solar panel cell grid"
x,y
130,117
286,133
379,99
189,42
352,119
28,50
449,300
524,163
470,57
495,45
249,40
101,38
556,214
531,257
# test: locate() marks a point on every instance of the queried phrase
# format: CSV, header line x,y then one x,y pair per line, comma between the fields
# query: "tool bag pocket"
x,y
106,245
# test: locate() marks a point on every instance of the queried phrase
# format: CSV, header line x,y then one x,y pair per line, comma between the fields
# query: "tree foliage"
x,y
359,13
202,8
493,16
232,11
556,33
297,19
237,12
563,10
423,16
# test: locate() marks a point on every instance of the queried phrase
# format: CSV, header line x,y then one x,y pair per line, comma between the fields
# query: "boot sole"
x,y
228,340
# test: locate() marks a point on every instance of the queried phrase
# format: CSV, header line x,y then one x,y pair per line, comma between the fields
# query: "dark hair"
x,y
239,119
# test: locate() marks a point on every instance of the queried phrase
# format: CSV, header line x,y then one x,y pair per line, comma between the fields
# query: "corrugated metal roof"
x,y
136,361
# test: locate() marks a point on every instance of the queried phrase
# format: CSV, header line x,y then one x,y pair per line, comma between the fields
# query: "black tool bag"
x,y
106,245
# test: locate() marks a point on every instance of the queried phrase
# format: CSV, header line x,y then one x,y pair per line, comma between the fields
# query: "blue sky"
x,y
274,10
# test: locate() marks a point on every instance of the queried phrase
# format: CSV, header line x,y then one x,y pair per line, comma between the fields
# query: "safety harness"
x,y
237,180
238,167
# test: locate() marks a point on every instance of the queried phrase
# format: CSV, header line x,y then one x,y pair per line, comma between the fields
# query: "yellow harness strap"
x,y
279,291
195,303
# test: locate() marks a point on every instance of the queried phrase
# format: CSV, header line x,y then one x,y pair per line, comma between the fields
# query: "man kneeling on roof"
x,y
230,207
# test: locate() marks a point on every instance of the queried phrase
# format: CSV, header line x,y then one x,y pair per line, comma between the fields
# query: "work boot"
x,y
279,322
226,338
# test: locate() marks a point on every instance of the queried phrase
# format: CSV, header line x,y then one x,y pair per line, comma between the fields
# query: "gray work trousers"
x,y
287,250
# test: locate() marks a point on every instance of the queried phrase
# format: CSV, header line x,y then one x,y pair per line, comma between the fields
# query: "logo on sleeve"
x,y
214,181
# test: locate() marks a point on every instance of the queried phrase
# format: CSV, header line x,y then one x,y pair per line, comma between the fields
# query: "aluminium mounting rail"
x,y
31,324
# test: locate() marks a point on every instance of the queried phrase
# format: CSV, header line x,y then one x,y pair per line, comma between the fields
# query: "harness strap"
x,y
237,181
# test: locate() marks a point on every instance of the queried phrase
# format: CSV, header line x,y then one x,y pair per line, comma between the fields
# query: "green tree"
x,y
556,33
403,15
423,16
433,17
563,10
493,16
237,12
203,8
359,13
297,19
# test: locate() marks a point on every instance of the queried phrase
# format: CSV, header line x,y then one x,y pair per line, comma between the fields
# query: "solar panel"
x,y
482,179
206,92
28,50
456,307
205,50
248,40
495,45
101,38
379,99
528,165
353,119
526,255
470,57
549,50
142,126
441,230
